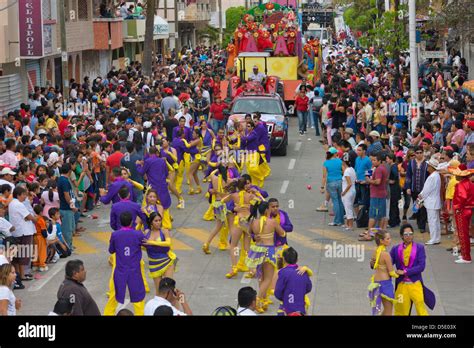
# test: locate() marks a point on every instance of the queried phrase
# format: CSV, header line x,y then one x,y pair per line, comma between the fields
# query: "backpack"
x,y
362,219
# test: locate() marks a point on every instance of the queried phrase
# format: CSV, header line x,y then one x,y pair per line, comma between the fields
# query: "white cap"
x,y
6,171
36,142
52,159
99,127
147,124
374,134
42,131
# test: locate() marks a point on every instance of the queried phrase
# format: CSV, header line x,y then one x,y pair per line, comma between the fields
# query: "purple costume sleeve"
x,y
287,225
111,244
113,219
280,285
111,193
419,264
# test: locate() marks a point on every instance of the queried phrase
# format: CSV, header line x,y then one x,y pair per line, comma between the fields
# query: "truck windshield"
x,y
249,106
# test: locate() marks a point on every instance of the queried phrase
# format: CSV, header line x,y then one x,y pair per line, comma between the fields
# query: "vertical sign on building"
x,y
31,28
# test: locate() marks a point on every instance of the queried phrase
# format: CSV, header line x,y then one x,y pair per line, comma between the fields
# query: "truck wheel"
x,y
283,149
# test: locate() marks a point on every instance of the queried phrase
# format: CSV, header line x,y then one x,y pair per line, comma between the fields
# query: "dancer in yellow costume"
x,y
170,155
253,158
381,290
219,180
161,260
240,227
262,254
195,152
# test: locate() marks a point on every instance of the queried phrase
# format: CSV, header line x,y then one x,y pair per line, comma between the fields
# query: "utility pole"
x,y
413,58
221,30
64,56
177,47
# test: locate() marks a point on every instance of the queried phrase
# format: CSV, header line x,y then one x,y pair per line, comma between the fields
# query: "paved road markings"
x,y
291,166
284,186
82,247
199,234
105,237
304,241
349,238
58,267
298,145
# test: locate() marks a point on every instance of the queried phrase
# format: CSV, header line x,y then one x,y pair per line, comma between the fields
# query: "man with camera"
x,y
168,295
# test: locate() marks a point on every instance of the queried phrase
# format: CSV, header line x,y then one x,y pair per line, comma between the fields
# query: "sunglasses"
x,y
419,152
407,234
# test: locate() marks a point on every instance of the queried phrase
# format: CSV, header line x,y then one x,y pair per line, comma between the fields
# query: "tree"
x,y
151,6
208,32
456,15
233,16
388,34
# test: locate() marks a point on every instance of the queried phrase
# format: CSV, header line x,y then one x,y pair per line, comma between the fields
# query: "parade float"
x,y
270,38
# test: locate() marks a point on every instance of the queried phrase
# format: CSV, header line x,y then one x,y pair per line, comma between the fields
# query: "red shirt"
x,y
113,160
428,135
63,125
379,191
302,103
218,110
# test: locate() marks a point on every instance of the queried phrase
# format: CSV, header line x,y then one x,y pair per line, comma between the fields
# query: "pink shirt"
x,y
49,204
459,134
9,157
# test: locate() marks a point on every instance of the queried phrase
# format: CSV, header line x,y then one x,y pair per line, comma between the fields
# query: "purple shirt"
x,y
114,188
156,171
291,289
413,272
122,206
126,245
287,226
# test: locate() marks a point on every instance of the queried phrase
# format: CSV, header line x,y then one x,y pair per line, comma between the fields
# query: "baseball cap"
x,y
349,131
36,143
332,150
6,171
374,134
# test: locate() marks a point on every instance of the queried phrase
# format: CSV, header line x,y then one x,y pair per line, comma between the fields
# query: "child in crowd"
x,y
56,242
40,240
6,194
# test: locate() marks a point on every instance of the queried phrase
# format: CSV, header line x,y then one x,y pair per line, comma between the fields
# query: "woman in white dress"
x,y
348,191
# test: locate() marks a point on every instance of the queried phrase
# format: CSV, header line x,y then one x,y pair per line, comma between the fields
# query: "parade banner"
x,y
283,67
30,28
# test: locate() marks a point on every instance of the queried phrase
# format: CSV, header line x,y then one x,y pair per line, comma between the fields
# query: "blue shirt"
x,y
334,169
361,166
402,107
64,186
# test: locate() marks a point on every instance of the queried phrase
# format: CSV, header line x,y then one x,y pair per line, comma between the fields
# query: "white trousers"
x,y
348,202
434,224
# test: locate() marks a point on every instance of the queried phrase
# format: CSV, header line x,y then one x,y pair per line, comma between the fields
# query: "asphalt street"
x,y
340,280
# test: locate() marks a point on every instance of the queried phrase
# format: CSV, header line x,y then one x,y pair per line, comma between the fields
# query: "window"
x,y
46,9
83,10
